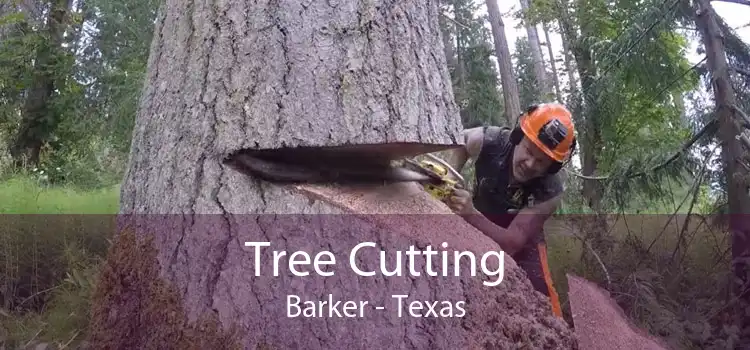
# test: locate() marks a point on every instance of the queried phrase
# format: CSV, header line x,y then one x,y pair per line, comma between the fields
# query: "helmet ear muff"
x,y
516,135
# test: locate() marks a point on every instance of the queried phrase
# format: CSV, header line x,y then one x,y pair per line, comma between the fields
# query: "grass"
x,y
49,264
21,195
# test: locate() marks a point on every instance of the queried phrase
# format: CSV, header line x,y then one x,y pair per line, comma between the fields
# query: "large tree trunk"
x,y
229,76
508,80
732,152
536,56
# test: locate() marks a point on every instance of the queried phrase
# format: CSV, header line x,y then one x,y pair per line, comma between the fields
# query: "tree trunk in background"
x,y
460,64
732,152
448,46
536,56
38,118
553,64
569,68
595,227
510,85
679,102
230,76
589,134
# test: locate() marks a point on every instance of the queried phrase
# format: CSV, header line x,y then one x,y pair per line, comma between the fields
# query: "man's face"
x,y
529,161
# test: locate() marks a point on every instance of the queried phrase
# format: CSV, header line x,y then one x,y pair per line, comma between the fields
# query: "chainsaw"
x,y
316,165
443,185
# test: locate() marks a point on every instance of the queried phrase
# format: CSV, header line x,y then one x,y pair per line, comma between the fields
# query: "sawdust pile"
x,y
601,323
134,308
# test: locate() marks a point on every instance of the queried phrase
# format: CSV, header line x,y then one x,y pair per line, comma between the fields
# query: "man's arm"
x,y
510,240
527,223
531,220
473,139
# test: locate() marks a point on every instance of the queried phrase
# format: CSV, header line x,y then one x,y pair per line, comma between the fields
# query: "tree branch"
x,y
453,20
741,71
743,116
710,126
741,2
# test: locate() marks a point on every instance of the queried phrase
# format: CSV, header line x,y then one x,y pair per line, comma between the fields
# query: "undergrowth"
x,y
48,265
670,278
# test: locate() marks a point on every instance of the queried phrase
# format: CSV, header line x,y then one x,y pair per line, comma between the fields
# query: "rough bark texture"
x,y
508,80
134,308
732,151
228,76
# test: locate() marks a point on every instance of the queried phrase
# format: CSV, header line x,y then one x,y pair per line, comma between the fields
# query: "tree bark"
x,y
508,80
732,153
591,137
232,76
362,75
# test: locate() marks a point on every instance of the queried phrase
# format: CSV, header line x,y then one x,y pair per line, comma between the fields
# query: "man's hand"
x,y
460,202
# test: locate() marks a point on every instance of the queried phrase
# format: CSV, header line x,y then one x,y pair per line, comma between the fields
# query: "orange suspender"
x,y
548,279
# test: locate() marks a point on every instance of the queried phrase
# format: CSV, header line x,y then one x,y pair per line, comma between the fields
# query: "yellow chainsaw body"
x,y
441,191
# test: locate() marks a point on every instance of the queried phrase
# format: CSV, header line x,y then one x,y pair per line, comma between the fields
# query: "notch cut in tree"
x,y
234,76
227,77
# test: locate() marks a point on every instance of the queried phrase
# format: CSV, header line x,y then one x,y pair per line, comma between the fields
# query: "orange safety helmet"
x,y
550,127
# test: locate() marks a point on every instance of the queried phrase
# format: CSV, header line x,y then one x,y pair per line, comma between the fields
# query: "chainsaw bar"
x,y
326,170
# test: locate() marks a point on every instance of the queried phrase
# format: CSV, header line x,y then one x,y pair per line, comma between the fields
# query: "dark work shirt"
x,y
494,194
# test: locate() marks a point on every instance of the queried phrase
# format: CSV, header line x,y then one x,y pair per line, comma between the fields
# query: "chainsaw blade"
x,y
349,172
416,167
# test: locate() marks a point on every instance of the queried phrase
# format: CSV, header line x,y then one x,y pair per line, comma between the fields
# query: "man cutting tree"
x,y
517,187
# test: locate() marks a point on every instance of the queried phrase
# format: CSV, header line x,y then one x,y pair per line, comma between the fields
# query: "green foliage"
x,y
17,51
97,83
475,79
638,68
29,195
483,105
118,64
636,79
48,262
529,89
